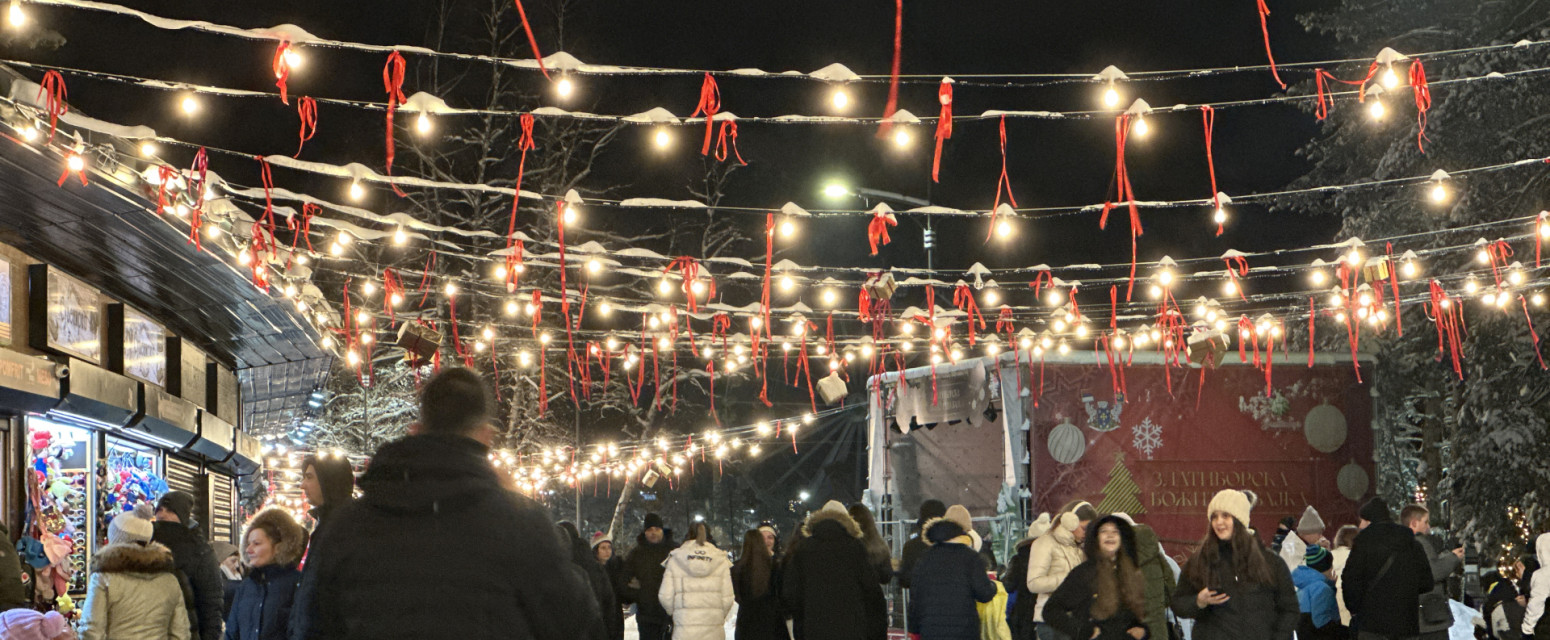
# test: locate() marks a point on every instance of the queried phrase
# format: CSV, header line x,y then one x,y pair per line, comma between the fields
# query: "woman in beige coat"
x,y
1053,556
134,593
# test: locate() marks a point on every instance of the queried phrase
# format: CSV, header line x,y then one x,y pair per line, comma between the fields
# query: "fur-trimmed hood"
x,y
129,557
841,518
292,544
940,530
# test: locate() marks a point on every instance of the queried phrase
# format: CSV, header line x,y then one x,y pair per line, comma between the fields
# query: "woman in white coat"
x,y
1052,557
697,588
134,593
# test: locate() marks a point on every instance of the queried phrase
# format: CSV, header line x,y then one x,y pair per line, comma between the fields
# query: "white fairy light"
x,y
1140,128
357,191
663,138
189,104
840,99
564,88
15,15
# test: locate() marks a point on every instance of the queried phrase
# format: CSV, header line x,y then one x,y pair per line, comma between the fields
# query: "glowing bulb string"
x,y
538,62
1002,182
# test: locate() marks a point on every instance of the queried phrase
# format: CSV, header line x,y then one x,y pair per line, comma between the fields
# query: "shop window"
x,y
59,461
128,475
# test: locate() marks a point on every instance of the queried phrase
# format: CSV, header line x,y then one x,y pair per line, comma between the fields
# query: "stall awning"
x,y
166,421
96,395
217,438
245,458
27,384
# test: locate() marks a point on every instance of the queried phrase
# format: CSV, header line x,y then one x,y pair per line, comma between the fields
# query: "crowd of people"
x,y
438,545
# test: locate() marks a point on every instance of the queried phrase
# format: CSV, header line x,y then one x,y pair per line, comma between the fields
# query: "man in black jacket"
x,y
437,548
929,510
1385,576
830,585
642,578
1443,563
191,553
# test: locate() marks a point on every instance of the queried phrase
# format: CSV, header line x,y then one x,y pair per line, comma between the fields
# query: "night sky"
x,y
1051,162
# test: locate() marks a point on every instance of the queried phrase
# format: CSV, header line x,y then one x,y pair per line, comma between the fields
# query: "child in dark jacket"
x,y
947,582
1105,596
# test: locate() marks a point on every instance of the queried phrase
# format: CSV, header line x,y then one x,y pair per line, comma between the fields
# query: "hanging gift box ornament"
x,y
880,285
832,388
419,341
1207,345
1376,269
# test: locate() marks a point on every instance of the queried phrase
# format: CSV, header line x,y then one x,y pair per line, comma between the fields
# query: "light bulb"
x,y
1354,258
1081,331
1119,342
1064,348
662,138
544,338
1155,292
334,249
570,215
1489,299
907,328
992,298
451,289
75,162
786,283
1483,256
479,346
1390,79
489,333
830,297
327,342
1220,216
31,133
1229,287
1439,193
1059,325
1544,229
353,357
605,308
1470,286
1004,229
1336,300
366,338
594,266
901,137
563,88
1165,277
511,307
1515,277
697,288
344,237
1318,277
190,105
422,124
755,322
840,99
147,149
1141,128
1053,298
213,232
1410,269
664,287
1538,299
16,16
396,299
788,228
1111,97
357,191
1376,110
1364,299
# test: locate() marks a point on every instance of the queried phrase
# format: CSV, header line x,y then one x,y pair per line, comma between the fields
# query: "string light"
x,y
366,338
451,289
564,88
1544,229
30,133
571,215
1053,298
190,105
840,99
1410,269
901,137
422,124
147,149
786,283
787,228
1004,229
664,287
1220,216
511,307
1140,128
1439,193
663,138
1111,97
75,162
605,308
1376,110
1390,79
1538,299
830,297
357,191
244,257
334,249
992,298
400,236
15,15
1165,278
396,299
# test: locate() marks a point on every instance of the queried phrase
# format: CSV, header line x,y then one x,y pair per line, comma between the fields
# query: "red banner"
x,y
1161,457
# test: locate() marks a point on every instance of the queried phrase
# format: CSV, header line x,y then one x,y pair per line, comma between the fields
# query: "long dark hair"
x,y
871,538
755,564
1119,581
1248,559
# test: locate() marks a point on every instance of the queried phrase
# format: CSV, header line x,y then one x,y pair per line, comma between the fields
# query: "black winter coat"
x,y
261,610
602,592
436,548
758,617
947,582
1391,604
830,586
644,568
1020,618
1069,609
196,561
1252,611
909,556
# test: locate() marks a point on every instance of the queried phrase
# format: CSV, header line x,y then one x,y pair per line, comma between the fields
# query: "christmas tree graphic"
x,y
1121,494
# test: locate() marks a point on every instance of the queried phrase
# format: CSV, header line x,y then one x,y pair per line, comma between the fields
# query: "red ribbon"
x,y
1531,332
393,82
196,188
514,255
1423,101
760,336
893,78
709,105
728,134
877,229
1312,315
1540,226
267,179
531,41
538,310
689,269
944,126
1264,12
1208,117
52,91
307,110
304,230
1002,182
963,298
1399,318
1042,278
1448,317
391,285
65,175
1499,252
1123,193
1237,267
282,69
165,175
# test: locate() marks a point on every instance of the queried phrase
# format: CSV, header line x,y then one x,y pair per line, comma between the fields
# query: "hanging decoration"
x,y
709,106
513,244
1264,12
1002,182
944,126
393,83
877,229
893,78
282,68
307,111
52,91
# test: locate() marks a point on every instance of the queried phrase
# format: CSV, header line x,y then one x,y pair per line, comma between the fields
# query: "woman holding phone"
x,y
1233,587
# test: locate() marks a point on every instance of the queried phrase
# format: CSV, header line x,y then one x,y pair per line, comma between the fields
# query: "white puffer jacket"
x,y
697,591
134,595
1051,558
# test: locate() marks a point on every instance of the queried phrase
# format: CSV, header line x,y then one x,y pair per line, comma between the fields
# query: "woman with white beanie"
x,y
1053,556
134,593
1233,587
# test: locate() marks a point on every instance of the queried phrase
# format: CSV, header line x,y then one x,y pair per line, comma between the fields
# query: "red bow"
x,y
52,89
689,269
963,298
1237,267
1498,252
709,105
393,82
267,179
1124,194
1003,182
944,125
1264,12
514,257
303,232
1448,317
1399,318
877,229
307,110
728,134
282,69
1423,101
164,177
196,189
391,286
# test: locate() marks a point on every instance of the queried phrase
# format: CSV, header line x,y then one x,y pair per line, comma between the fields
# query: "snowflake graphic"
x,y
1148,437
